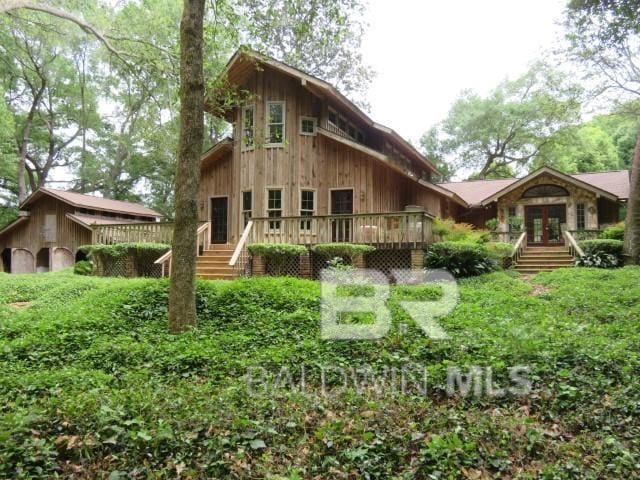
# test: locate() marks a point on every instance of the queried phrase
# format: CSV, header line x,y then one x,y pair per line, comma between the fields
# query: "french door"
x,y
543,224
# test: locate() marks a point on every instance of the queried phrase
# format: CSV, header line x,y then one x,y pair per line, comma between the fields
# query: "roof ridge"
x,y
601,171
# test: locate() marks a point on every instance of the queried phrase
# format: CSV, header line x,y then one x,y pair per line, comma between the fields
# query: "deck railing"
x,y
160,232
385,230
518,247
240,255
574,248
203,240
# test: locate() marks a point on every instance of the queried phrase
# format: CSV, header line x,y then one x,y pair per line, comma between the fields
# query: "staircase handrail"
x,y
518,247
167,256
241,243
573,244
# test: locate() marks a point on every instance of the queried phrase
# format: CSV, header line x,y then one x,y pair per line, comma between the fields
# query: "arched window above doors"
x,y
545,191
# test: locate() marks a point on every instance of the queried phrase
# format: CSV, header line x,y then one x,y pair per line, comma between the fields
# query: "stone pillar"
x,y
306,266
130,267
258,266
417,259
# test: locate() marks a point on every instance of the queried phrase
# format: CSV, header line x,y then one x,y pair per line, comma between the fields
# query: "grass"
x,y
93,385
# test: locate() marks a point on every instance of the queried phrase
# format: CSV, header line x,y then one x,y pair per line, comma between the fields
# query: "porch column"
x,y
417,259
358,261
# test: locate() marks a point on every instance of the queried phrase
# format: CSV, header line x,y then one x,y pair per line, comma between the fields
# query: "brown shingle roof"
x,y
88,220
475,191
616,182
94,203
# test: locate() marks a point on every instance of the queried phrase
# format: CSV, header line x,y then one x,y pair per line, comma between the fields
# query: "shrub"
x,y
460,258
450,231
346,251
614,232
277,255
612,247
500,252
598,259
491,224
110,259
83,267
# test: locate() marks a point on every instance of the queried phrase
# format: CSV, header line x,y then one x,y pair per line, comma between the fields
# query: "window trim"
x,y
243,212
313,212
268,125
584,216
267,209
244,147
315,126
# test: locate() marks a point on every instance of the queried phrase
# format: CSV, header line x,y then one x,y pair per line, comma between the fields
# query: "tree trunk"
x,y
182,294
632,228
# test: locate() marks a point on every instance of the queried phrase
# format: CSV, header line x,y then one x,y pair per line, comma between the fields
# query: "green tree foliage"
x,y
321,37
506,129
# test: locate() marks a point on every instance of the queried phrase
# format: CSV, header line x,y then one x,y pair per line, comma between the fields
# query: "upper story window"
x,y
248,126
308,125
275,123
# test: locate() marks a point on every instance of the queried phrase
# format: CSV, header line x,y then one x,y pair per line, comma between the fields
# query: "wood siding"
x,y
315,162
32,235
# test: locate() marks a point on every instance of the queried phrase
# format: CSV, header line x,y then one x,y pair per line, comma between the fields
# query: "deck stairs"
x,y
543,259
213,264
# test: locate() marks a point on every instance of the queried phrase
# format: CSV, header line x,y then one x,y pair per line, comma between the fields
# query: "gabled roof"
x,y
243,63
613,185
80,200
215,152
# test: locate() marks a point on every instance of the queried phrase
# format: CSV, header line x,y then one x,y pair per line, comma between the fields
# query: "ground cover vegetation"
x,y
93,385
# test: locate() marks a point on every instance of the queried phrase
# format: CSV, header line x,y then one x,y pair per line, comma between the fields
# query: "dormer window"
x,y
248,126
308,125
275,123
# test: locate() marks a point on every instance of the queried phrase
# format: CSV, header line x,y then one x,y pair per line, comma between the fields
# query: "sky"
x,y
426,51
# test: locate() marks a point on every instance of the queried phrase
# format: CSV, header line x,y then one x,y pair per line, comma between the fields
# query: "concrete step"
x,y
545,255
547,249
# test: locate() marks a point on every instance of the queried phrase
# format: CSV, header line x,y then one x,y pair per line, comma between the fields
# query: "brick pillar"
x,y
306,268
417,259
258,266
130,267
359,262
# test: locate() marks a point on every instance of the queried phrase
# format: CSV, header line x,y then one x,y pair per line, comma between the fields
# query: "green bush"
x,y
277,255
460,258
598,259
612,247
491,224
500,252
346,251
109,258
450,231
83,267
515,224
614,232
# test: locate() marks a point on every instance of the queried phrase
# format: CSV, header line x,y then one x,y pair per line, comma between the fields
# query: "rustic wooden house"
x,y
52,224
304,165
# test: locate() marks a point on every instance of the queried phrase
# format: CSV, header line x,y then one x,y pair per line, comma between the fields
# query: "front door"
x,y
543,224
219,220
341,204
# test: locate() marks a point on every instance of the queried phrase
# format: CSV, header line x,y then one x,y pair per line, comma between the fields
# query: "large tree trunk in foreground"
x,y
182,294
632,228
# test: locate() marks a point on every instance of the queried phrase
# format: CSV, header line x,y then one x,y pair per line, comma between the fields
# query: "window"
x,y
511,211
307,203
274,207
580,216
246,207
545,191
275,123
248,126
333,118
308,125
345,127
